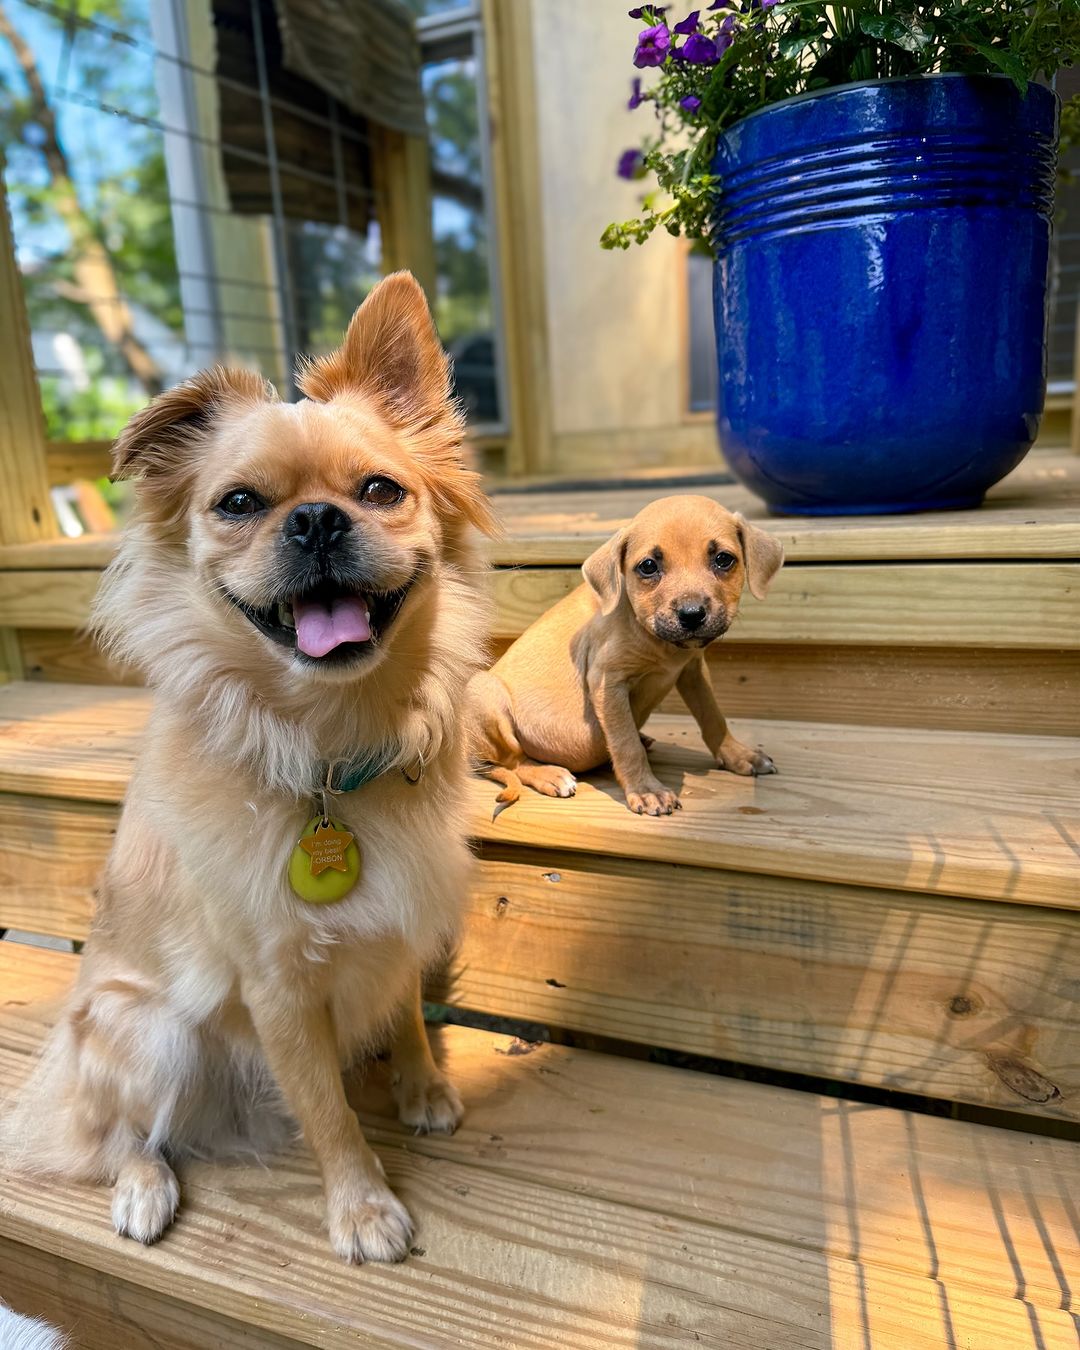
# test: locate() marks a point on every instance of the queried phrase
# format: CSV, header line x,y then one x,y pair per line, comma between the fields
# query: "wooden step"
x,y
988,816
891,909
585,1202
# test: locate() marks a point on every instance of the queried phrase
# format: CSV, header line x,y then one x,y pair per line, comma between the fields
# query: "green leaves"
x,y
902,30
768,53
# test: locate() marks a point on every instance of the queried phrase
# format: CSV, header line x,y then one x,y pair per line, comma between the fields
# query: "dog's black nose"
x,y
691,617
316,526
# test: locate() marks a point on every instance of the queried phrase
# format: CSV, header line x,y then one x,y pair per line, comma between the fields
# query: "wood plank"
x,y
102,1313
746,1215
956,999
51,855
66,461
1034,513
47,599
993,817
1029,605
26,513
1018,605
70,656
1016,691
988,816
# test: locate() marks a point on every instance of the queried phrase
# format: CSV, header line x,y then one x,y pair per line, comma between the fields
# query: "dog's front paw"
x,y
145,1199
653,799
429,1105
741,759
373,1227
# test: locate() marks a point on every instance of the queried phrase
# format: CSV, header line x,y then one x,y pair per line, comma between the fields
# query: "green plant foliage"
x,y
723,62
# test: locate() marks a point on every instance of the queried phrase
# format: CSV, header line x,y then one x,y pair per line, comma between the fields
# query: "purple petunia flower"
x,y
637,98
639,12
653,45
691,103
689,24
699,50
631,163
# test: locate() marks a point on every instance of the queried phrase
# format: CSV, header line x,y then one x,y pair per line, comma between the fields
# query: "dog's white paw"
x,y
653,799
429,1106
376,1227
145,1200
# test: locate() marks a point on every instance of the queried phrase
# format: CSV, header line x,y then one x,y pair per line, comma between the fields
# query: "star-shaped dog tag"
x,y
325,864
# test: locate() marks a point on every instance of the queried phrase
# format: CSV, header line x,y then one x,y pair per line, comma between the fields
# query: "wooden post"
x,y
512,94
402,167
1075,434
25,511
26,514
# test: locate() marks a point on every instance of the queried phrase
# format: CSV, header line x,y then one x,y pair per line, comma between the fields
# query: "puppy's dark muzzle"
x,y
691,625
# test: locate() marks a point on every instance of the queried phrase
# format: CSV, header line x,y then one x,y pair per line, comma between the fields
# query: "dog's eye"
x,y
724,562
648,567
241,503
381,492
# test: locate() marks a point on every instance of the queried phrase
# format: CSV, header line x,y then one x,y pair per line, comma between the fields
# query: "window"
x,y
179,196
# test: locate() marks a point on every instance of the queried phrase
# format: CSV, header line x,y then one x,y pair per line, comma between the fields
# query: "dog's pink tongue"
x,y
322,626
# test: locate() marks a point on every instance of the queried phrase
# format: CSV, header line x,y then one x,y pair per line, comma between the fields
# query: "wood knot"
x,y
1022,1079
962,1005
501,905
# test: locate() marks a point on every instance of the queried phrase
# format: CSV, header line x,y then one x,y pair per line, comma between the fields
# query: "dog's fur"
x,y
209,993
575,689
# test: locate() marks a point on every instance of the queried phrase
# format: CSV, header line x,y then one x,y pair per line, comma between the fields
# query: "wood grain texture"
x,y
1032,605
951,998
994,817
101,1313
947,813
1004,605
51,855
26,513
943,688
594,1202
68,656
1034,513
65,461
53,599
956,999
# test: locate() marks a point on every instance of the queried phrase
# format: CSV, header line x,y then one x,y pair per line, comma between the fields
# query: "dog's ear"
x,y
391,352
603,570
157,442
763,556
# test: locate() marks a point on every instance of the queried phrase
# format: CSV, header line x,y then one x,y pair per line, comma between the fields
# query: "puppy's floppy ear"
x,y
603,570
157,441
391,352
763,556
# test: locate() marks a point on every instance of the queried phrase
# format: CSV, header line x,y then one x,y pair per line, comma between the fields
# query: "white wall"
x,y
617,328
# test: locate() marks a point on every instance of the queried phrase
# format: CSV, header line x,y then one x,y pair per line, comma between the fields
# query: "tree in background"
x,y
97,232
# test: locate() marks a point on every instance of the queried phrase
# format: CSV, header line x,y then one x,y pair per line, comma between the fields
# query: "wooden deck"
x,y
588,1203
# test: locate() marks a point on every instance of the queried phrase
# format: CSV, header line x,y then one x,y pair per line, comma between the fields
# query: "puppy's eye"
x,y
648,567
724,562
381,492
241,503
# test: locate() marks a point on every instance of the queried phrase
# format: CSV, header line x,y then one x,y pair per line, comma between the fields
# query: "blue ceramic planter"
x,y
880,292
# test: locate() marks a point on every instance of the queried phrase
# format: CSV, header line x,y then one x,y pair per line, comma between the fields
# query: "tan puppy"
x,y
575,689
300,586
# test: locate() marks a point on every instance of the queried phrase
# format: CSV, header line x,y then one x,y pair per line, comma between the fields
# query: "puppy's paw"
x,y
145,1199
428,1106
374,1227
549,779
653,799
741,759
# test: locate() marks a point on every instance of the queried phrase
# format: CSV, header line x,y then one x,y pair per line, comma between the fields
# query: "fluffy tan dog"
x,y
300,586
576,688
